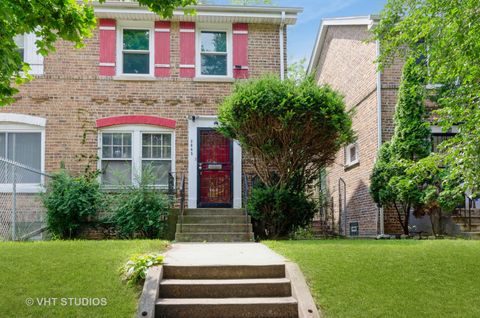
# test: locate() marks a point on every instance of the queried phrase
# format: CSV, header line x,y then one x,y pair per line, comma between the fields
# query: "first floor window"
x,y
116,158
136,51
126,157
157,156
438,138
24,148
213,53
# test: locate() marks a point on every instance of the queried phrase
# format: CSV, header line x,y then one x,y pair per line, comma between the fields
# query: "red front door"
x,y
214,169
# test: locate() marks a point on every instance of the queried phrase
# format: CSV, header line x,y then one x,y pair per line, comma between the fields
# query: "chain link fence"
x,y
22,215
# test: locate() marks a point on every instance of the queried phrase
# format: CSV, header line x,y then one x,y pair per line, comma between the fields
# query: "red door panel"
x,y
214,169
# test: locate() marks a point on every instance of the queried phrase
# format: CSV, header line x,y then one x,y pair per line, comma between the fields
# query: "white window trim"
x,y
136,131
135,25
20,127
348,161
30,55
198,60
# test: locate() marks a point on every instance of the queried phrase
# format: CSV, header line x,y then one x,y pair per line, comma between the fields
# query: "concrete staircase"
x,y
225,291
472,230
214,225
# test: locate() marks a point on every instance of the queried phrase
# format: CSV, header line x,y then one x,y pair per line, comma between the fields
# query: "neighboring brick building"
x,y
345,59
145,91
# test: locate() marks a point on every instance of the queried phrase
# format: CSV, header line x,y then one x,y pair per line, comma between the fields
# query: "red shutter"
x,y
162,48
240,50
107,47
187,49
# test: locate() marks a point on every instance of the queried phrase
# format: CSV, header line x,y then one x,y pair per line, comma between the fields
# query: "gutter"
x,y
380,213
282,53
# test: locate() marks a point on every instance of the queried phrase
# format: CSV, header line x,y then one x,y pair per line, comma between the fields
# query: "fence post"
x,y
14,205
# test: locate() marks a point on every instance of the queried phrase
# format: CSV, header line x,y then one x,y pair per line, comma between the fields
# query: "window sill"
x,y
134,78
352,165
214,79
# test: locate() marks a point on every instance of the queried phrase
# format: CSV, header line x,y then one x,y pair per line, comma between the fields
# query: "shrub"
x,y
293,128
135,270
141,211
70,202
278,211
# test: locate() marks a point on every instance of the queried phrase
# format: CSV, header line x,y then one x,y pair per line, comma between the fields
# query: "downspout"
x,y
282,53
380,213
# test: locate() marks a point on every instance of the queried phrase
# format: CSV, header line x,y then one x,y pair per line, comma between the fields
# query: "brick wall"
x,y
71,96
347,64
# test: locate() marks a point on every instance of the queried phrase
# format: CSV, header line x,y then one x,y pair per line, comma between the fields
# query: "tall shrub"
x,y
70,202
292,129
141,211
391,186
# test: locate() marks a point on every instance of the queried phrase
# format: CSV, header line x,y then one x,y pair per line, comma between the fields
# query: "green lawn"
x,y
68,269
390,278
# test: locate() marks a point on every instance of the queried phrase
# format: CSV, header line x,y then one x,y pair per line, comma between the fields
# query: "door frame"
x,y
195,122
213,205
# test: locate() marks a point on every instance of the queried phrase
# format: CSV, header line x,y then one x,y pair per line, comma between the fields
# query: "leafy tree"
x,y
446,33
439,191
297,70
290,128
391,186
50,20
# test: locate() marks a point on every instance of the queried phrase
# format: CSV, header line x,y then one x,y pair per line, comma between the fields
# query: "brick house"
x,y
145,91
345,59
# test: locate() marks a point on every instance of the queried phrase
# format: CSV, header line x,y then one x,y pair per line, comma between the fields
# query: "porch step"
x,y
214,237
214,228
225,288
266,307
215,212
224,271
215,219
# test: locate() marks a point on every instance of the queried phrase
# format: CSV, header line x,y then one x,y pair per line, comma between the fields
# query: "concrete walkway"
x,y
186,254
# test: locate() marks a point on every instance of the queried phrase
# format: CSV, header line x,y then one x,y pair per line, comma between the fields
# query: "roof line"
x,y
203,7
369,21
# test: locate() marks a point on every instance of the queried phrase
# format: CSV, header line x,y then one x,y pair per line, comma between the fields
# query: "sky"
x,y
301,37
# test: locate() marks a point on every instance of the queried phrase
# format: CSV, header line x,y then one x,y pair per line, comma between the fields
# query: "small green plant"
x,y
135,270
142,211
70,202
303,233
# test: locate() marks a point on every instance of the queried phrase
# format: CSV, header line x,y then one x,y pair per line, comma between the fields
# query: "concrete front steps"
x,y
214,225
225,291
471,231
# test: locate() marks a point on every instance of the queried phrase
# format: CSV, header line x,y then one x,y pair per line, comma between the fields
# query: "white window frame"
x,y
23,39
18,123
135,25
348,160
137,131
30,55
198,54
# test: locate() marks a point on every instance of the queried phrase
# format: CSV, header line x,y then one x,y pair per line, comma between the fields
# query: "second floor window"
x,y
214,53
20,42
136,51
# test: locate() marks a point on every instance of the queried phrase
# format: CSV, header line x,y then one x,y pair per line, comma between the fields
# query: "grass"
x,y
365,278
68,269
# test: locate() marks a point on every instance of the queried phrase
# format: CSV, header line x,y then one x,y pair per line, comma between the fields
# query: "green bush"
x,y
141,211
277,212
70,202
135,270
